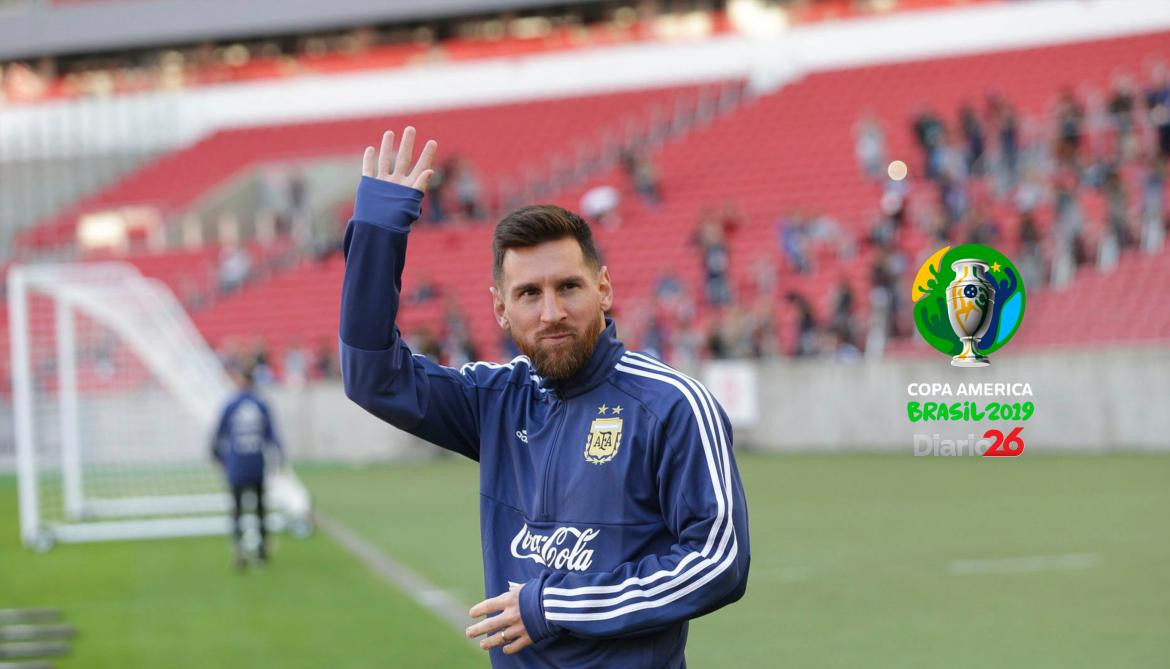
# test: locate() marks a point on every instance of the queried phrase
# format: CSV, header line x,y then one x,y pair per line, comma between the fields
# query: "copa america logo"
x,y
968,302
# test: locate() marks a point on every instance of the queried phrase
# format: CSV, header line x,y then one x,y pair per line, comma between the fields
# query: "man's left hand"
x,y
505,629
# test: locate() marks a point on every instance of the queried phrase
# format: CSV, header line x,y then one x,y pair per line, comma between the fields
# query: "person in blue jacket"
x,y
244,435
611,508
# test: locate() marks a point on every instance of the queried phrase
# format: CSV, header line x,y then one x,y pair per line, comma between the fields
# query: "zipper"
x,y
542,501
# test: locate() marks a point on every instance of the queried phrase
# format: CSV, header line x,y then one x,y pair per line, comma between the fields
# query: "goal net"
x,y
115,397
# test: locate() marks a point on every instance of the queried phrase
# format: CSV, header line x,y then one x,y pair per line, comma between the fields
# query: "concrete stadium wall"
x,y
1086,401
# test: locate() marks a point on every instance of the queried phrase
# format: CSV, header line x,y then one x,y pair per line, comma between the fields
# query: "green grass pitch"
x,y
854,564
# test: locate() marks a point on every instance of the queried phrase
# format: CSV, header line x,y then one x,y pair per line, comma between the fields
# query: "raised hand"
x,y
377,165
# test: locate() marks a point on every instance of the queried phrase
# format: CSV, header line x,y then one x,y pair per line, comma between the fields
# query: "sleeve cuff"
x,y
532,612
387,204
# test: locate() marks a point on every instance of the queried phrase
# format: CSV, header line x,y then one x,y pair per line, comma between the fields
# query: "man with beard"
x,y
611,509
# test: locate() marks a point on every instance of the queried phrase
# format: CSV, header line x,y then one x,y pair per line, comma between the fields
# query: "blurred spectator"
x,y
834,343
259,361
191,294
894,196
1067,253
952,196
686,341
599,206
325,361
424,343
716,259
300,211
730,218
794,242
882,232
981,229
467,191
1003,118
929,131
1117,210
235,266
843,322
1120,109
1030,260
806,325
273,193
667,287
764,273
654,335
425,290
885,298
1153,204
869,146
1158,105
1070,116
458,349
295,365
972,130
436,191
643,175
718,344
762,331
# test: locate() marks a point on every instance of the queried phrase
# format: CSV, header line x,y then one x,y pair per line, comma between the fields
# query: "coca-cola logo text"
x,y
565,548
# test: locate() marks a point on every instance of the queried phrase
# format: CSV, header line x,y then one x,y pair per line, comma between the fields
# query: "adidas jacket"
x,y
612,497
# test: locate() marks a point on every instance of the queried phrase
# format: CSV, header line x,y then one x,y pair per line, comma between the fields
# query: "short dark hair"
x,y
537,224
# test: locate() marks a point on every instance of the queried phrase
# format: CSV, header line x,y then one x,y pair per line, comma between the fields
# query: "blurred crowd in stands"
x,y
985,178
299,363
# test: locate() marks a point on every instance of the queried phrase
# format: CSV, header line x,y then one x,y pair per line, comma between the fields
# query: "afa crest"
x,y
605,437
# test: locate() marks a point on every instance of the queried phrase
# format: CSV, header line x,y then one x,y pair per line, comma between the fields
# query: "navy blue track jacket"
x,y
612,497
244,433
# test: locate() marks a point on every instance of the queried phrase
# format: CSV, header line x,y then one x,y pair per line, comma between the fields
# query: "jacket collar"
x,y
601,362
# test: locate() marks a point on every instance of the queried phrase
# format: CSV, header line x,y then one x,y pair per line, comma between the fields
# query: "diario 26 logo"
x,y
968,302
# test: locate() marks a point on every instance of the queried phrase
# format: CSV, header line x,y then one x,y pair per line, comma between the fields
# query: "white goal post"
x,y
115,397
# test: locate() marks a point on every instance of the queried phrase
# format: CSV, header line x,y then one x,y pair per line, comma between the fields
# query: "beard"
x,y
559,360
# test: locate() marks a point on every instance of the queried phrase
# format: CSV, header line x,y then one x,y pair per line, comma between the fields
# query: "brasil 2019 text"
x,y
968,411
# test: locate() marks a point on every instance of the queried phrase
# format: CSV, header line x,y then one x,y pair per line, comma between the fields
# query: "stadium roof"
x,y
38,28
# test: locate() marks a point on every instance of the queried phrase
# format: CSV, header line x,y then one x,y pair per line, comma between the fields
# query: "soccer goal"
x,y
115,397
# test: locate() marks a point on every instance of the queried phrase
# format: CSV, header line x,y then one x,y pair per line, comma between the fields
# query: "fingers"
x,y
488,626
425,159
369,162
517,645
405,151
490,605
422,181
505,637
485,607
389,165
385,154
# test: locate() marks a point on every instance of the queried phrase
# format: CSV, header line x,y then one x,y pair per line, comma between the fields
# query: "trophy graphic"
x,y
970,299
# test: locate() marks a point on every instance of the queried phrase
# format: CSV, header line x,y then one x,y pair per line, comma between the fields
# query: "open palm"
x,y
377,164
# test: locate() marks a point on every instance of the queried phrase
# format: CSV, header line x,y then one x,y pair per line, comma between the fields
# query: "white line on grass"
x,y
429,595
1025,564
